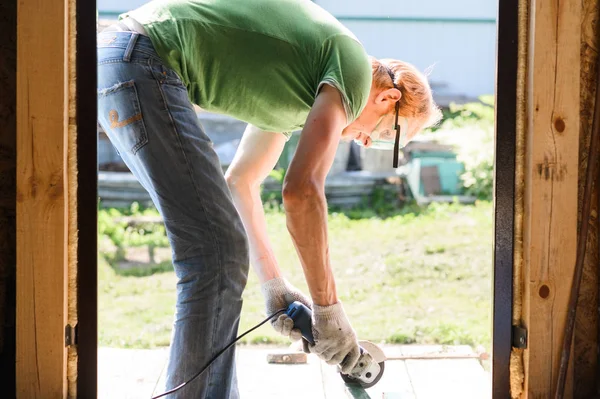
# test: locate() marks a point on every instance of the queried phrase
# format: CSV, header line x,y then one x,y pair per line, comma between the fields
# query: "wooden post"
x,y
41,238
550,203
586,327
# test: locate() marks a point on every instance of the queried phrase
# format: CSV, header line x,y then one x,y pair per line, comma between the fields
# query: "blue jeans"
x,y
144,109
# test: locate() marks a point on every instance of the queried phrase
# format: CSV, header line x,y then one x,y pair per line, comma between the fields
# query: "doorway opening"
x,y
451,260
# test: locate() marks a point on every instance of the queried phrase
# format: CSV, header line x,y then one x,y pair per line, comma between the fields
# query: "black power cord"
x,y
215,357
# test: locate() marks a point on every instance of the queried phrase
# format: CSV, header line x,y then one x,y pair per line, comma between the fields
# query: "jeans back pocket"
x,y
120,115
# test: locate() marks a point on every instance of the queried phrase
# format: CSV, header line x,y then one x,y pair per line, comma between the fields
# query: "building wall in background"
x,y
460,9
457,39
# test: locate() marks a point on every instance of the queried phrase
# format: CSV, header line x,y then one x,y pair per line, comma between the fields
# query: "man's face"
x,y
368,121
375,126
378,131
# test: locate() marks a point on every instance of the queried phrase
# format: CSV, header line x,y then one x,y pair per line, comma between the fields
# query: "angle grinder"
x,y
369,368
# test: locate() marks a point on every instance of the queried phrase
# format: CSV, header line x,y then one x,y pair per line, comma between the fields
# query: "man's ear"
x,y
388,96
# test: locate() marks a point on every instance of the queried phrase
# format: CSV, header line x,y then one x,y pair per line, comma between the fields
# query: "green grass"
x,y
412,278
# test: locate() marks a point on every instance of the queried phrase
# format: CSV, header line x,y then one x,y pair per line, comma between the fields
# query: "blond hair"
x,y
417,99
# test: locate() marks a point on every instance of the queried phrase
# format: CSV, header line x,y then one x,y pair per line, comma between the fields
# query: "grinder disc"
x,y
353,381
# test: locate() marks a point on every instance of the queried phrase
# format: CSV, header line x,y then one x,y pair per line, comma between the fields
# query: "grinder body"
x,y
370,366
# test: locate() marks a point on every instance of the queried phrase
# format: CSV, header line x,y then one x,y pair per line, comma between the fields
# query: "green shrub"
x,y
478,179
402,338
459,116
470,129
113,224
114,228
144,271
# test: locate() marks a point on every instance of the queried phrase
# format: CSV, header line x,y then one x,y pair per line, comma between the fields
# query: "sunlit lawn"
x,y
405,279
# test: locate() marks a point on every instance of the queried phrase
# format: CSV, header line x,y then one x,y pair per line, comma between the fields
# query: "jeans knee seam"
x,y
214,236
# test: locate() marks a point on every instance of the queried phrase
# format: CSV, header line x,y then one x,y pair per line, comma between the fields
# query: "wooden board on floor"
x,y
448,378
395,382
136,373
416,379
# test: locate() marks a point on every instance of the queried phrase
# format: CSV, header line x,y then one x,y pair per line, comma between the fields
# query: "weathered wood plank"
x,y
550,220
448,379
287,357
586,326
395,380
41,128
259,379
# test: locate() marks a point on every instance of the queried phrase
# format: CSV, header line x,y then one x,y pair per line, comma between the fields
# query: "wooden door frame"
x,y
504,193
87,201
504,189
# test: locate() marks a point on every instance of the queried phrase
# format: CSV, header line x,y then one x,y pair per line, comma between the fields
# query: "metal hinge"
x,y
70,335
519,337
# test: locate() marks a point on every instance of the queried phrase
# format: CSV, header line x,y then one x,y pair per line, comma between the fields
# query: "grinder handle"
x,y
302,317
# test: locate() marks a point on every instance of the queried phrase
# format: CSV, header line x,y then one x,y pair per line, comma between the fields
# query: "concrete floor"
x,y
132,373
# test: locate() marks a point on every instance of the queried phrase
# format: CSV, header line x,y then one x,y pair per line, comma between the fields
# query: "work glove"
x,y
279,294
335,339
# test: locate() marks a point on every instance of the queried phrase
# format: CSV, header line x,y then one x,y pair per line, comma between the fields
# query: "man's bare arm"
x,y
304,192
255,158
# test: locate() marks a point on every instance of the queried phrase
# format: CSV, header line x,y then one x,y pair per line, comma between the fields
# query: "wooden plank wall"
x,y
550,199
8,167
586,327
41,265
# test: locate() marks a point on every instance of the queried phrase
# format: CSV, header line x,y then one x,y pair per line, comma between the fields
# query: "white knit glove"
x,y
335,339
279,294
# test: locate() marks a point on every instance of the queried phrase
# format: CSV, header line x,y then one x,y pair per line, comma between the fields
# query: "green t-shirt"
x,y
260,61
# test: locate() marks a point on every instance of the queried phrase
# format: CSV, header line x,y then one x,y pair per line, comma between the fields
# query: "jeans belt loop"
x,y
130,46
